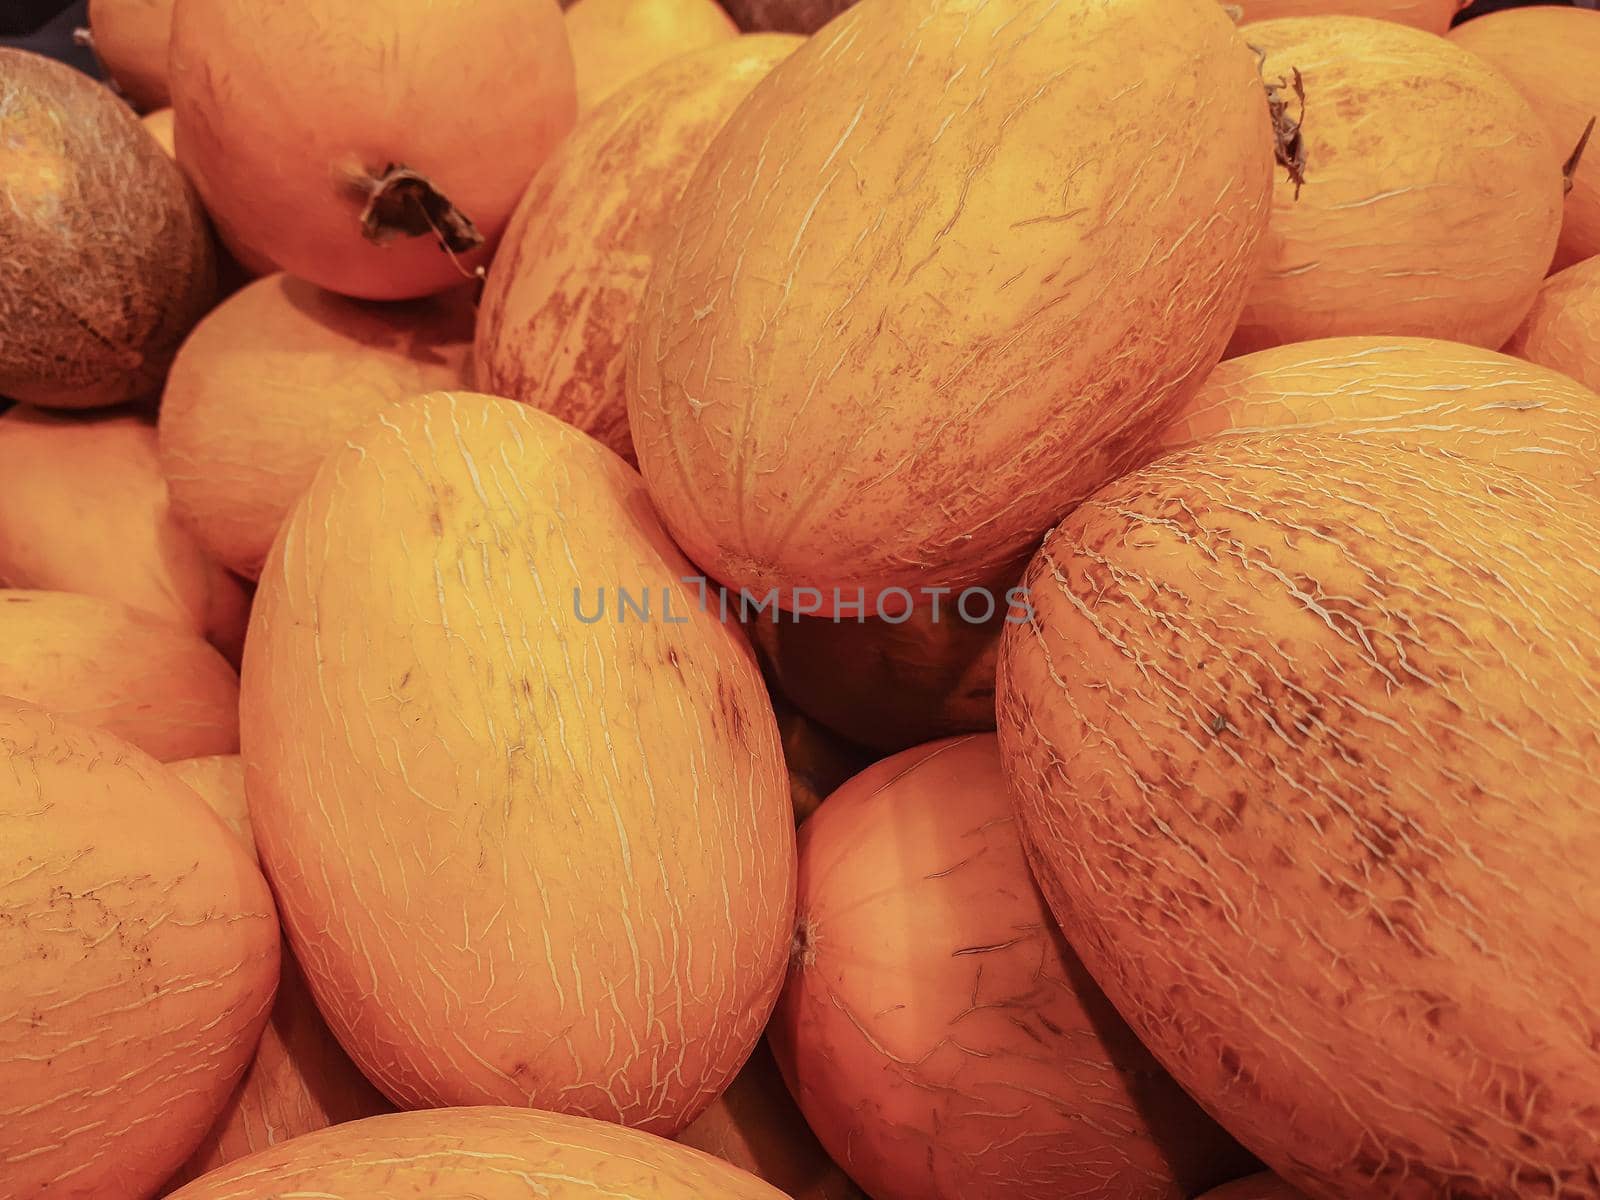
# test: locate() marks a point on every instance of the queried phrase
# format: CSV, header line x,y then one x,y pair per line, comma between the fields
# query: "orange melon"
x,y
1294,715
936,1029
271,381
138,957
484,795
104,664
616,41
907,316
1433,15
160,125
563,294
130,40
1562,330
85,509
1432,196
1265,1186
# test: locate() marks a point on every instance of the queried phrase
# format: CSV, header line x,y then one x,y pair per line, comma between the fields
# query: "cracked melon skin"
x,y
1562,330
523,858
1302,740
909,314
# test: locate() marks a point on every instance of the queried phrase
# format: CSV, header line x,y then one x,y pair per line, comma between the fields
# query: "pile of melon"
x,y
917,600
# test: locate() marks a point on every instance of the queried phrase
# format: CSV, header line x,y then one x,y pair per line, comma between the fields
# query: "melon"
x,y
1433,15
390,167
138,957
914,303
1562,330
1265,1186
563,294
161,123
274,379
617,41
85,509
499,762
107,261
130,39
485,1153
937,1030
101,663
1432,196
1551,53
1293,717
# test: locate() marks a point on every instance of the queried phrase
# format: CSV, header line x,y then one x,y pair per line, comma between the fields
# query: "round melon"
x,y
138,957
101,663
1265,1186
1433,15
1432,195
784,16
390,167
563,294
1413,392
936,1029
1562,330
755,1126
1294,717
108,261
274,379
912,307
160,123
485,1153
130,40
616,41
84,508
500,763
1551,53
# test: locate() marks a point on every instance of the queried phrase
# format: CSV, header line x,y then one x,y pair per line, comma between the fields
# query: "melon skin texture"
x,y
563,293
85,509
1562,330
909,313
487,1153
1265,1186
273,380
131,38
138,958
936,1029
1294,716
615,42
1552,55
1406,392
470,94
585,827
101,663
1432,15
105,258
1432,200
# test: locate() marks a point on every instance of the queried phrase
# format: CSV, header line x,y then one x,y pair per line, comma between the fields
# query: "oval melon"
x,y
1433,15
563,294
273,380
936,1029
138,957
477,793
1562,330
101,663
1295,714
108,261
907,315
616,41
1432,196
130,40
85,508
1265,1186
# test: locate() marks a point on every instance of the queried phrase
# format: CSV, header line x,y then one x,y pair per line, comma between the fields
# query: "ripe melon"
x,y
1433,15
130,40
84,508
1265,1186
1562,330
615,42
482,1153
138,957
563,294
477,794
274,379
390,167
160,124
936,1029
907,315
1551,53
101,663
1432,196
1294,717
107,259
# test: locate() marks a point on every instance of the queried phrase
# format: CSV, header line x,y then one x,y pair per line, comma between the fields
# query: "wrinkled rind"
x,y
1294,718
563,294
107,260
910,312
138,958
472,802
1562,330
1432,200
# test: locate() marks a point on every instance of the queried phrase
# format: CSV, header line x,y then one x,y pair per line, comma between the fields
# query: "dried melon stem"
x,y
1287,145
401,203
